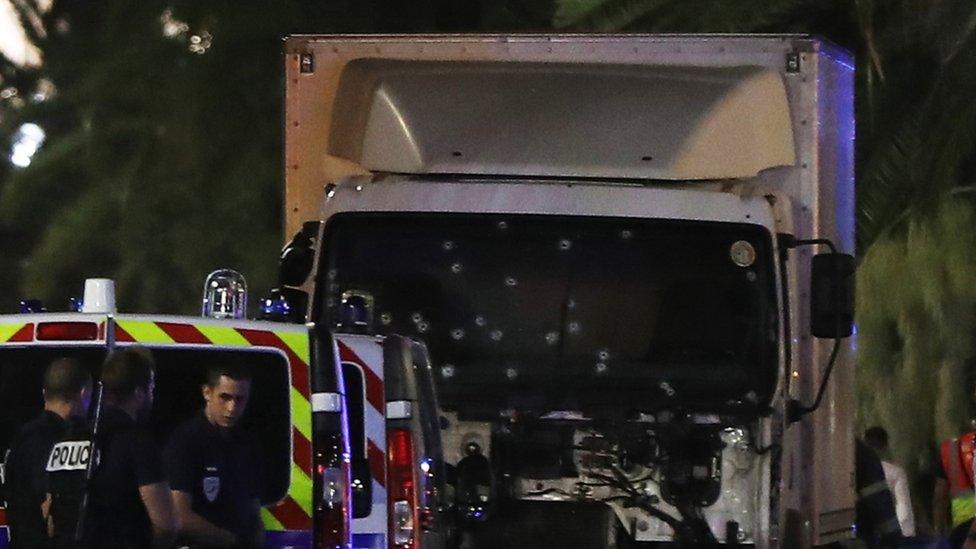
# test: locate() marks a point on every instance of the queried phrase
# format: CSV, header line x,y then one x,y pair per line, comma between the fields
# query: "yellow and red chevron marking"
x,y
17,333
294,513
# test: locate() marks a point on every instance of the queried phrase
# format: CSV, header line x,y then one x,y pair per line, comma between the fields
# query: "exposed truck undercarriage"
x,y
662,477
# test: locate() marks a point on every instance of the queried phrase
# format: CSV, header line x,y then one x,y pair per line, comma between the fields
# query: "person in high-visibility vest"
x,y
954,485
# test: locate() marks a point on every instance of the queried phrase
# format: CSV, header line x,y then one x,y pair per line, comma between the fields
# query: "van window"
x,y
180,374
352,376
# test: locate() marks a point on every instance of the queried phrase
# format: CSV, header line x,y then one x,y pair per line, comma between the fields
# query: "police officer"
x,y
67,389
128,497
213,469
66,467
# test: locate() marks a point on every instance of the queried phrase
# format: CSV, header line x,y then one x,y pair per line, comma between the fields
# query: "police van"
x,y
296,409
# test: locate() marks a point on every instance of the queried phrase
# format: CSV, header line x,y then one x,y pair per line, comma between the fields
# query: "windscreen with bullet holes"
x,y
540,313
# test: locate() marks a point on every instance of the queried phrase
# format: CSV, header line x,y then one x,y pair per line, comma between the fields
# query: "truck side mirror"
x,y
297,257
832,295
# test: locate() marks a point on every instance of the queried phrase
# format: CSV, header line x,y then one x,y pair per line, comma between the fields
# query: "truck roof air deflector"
x,y
661,122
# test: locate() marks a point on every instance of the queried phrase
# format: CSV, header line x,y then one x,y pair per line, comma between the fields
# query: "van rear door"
x,y
185,347
398,478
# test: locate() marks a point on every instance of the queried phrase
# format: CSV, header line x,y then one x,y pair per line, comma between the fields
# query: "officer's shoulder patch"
x,y
71,455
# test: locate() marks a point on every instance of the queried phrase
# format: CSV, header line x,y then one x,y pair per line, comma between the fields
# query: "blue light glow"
x,y
28,306
275,308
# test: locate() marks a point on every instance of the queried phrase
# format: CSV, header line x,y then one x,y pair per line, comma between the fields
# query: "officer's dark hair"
x,y
64,379
126,370
233,371
876,438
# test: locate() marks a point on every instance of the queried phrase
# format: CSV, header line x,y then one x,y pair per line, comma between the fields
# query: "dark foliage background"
x,y
162,158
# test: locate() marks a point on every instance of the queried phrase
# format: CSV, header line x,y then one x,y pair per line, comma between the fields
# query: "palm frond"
x,y
886,188
924,157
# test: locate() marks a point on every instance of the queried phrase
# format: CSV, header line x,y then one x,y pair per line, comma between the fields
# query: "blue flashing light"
x,y
355,312
275,308
76,304
29,306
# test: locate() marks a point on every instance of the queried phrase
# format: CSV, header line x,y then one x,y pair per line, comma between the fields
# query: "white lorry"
x,y
605,243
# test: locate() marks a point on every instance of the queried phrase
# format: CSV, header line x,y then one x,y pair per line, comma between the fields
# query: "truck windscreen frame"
x,y
538,313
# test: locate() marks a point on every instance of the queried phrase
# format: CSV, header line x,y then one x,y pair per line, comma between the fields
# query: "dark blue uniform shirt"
x,y
219,469
128,458
26,480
